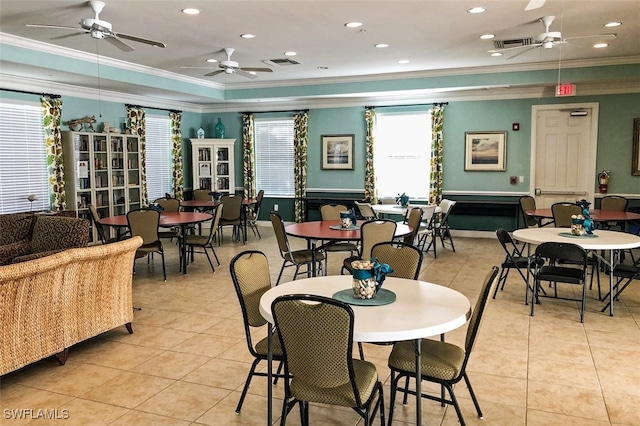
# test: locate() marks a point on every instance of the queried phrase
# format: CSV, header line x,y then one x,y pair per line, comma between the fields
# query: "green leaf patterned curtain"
x,y
51,111
248,161
300,140
369,173
136,123
176,153
435,184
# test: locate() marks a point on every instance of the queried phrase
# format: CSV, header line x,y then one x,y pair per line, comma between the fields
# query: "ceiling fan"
x,y
548,39
232,67
100,29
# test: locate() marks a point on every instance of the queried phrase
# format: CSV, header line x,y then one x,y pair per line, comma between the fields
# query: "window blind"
x,y
158,157
402,157
274,156
23,163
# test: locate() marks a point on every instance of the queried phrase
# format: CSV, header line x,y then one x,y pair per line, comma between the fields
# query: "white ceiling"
x,y
430,34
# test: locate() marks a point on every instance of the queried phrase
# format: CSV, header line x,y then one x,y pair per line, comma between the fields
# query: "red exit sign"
x,y
566,90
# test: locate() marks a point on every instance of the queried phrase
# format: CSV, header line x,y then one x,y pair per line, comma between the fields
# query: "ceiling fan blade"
x,y
68,35
600,36
199,68
507,49
257,69
118,43
140,40
212,73
534,4
243,72
60,27
522,52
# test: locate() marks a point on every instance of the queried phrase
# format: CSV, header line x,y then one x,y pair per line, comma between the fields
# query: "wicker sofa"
x,y
53,302
26,236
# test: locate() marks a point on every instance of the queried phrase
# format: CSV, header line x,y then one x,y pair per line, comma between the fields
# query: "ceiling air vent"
x,y
281,62
516,42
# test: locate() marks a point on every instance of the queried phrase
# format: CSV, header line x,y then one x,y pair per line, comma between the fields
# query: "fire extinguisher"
x,y
603,180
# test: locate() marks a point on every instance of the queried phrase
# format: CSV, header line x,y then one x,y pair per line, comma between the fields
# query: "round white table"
x,y
606,240
421,309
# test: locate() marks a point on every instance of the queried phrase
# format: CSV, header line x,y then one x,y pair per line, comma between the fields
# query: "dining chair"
x,y
205,241
253,213
144,223
413,218
404,259
366,211
440,362
514,259
616,203
388,200
371,232
426,235
527,202
169,205
547,258
441,226
319,366
291,257
562,213
103,234
231,215
202,194
622,272
332,212
251,279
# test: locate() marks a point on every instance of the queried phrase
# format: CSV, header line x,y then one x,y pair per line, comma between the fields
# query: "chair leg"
x,y
164,270
280,274
361,351
454,402
246,385
209,259
473,395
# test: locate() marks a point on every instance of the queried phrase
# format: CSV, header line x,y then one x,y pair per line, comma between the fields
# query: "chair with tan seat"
x,y
562,213
413,219
103,234
144,223
253,213
320,364
404,259
206,241
527,202
332,212
291,257
232,215
366,211
169,205
251,279
441,362
371,232
614,203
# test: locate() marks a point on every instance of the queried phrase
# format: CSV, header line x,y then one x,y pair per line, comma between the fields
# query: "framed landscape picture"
x,y
337,152
485,151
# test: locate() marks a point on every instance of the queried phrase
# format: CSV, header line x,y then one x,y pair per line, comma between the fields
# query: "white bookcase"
x,y
212,164
102,169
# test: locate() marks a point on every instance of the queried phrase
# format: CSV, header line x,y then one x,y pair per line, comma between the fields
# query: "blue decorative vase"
x,y
219,129
348,219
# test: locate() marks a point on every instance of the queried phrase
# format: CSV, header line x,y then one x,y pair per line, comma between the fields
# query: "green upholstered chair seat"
x,y
262,347
302,256
440,360
365,375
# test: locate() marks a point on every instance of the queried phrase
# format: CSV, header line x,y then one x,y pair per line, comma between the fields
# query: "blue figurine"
x,y
588,222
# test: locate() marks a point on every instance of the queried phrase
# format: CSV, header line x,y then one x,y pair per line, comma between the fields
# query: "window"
x,y
402,154
23,162
274,156
158,157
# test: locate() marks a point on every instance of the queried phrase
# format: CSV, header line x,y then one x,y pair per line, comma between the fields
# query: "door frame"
x,y
593,142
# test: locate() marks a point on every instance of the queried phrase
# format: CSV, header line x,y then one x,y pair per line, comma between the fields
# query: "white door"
x,y
563,153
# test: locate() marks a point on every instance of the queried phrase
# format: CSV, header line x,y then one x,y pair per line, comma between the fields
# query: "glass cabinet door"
x,y
205,168
222,169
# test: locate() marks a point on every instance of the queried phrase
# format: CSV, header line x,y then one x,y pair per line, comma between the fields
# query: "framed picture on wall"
x,y
635,160
337,152
485,151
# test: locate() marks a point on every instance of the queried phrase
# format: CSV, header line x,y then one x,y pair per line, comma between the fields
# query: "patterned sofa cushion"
x,y
59,233
16,227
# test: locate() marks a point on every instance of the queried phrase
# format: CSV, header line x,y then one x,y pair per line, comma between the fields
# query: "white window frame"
x,y
274,156
23,157
159,161
402,154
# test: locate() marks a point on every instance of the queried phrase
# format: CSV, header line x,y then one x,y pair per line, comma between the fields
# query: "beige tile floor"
x,y
187,361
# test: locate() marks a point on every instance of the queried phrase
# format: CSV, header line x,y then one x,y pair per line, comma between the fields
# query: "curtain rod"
x,y
405,105
146,107
47,95
269,112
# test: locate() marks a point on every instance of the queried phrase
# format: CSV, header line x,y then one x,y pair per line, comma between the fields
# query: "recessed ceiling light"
x,y
190,11
212,60
477,10
496,54
353,24
247,36
290,53
381,45
612,24
403,61
600,45
487,36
